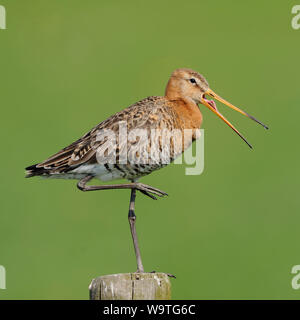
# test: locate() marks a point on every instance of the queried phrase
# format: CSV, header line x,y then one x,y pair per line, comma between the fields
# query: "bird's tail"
x,y
33,170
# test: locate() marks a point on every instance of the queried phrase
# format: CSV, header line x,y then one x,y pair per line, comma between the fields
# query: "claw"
x,y
149,191
168,274
156,190
148,194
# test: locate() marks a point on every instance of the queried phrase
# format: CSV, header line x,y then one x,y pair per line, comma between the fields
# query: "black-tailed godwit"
x,y
177,110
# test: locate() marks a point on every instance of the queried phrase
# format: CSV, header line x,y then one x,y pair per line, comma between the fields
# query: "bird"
x,y
103,152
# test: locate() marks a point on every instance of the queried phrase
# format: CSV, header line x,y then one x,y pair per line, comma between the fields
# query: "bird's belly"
x,y
99,171
109,172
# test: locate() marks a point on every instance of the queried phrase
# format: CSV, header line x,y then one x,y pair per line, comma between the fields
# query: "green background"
x,y
230,233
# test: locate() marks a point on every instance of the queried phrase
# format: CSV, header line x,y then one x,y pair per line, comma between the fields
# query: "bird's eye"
x,y
192,80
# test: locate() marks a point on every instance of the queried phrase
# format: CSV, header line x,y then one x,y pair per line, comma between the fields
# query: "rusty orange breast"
x,y
188,114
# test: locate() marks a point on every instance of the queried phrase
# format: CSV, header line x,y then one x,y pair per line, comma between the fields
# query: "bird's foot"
x,y
168,274
139,271
149,191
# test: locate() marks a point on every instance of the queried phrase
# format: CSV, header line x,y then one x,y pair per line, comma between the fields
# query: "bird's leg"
x,y
144,188
132,220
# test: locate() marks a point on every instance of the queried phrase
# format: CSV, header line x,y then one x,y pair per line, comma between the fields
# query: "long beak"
x,y
212,106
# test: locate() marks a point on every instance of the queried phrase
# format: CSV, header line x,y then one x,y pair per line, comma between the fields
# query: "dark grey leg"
x,y
144,188
132,220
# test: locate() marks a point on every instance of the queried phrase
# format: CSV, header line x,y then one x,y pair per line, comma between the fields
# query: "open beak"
x,y
212,106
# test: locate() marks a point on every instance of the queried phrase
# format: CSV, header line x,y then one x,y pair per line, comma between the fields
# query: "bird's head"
x,y
189,85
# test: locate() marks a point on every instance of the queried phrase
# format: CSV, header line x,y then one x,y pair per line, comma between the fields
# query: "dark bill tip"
x,y
254,119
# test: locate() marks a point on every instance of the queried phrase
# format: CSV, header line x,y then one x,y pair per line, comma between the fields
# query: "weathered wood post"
x,y
131,286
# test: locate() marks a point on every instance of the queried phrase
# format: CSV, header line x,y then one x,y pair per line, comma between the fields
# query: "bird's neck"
x,y
188,113
173,90
187,110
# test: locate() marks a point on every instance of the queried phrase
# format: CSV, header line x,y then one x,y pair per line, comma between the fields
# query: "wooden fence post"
x,y
131,286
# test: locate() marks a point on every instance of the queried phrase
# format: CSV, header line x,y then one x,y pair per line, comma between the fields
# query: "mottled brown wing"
x,y
145,113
